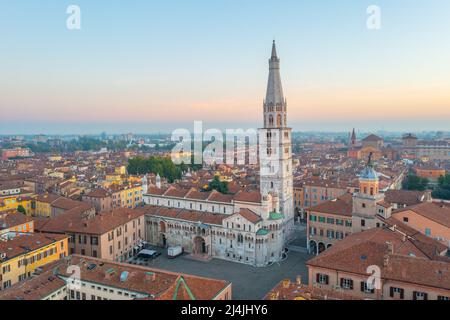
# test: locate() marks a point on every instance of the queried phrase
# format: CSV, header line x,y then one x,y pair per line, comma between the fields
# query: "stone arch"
x,y
162,227
279,121
200,246
321,247
163,240
312,247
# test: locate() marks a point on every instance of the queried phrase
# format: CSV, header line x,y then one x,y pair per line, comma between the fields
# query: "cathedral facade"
x,y
248,227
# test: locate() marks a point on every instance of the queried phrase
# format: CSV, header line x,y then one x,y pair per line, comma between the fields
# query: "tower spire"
x,y
275,104
274,50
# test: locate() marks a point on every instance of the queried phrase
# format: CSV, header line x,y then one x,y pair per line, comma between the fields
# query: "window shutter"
x,y
342,282
326,279
425,296
351,284
414,295
392,292
362,286
317,278
402,293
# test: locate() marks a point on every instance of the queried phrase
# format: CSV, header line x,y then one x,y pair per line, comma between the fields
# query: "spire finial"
x,y
274,49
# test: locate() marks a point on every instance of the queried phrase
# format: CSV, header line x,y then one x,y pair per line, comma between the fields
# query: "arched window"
x,y
279,120
270,120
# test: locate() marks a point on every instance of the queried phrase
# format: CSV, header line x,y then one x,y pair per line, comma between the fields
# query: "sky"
x,y
153,66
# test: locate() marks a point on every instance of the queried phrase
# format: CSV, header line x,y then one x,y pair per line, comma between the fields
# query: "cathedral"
x,y
247,227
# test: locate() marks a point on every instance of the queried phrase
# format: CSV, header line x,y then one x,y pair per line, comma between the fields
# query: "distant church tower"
x,y
353,138
275,146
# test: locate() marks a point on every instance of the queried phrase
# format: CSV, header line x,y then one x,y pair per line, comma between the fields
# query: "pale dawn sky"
x,y
146,66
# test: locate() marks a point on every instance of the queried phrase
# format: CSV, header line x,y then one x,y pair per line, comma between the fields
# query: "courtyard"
x,y
249,283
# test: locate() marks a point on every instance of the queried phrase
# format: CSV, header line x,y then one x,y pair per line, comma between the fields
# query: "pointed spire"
x,y
274,95
274,50
353,138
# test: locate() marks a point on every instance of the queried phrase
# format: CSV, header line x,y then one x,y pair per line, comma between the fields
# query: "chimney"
x,y
385,260
150,276
109,273
390,247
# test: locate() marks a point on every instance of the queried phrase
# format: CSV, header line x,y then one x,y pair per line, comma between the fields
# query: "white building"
x,y
249,227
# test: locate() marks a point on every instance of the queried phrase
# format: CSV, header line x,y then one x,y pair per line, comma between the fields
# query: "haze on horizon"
x,y
151,66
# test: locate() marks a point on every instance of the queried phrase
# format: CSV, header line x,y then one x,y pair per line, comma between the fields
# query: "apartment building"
x,y
107,280
429,218
112,235
128,196
14,221
100,199
21,254
406,266
310,193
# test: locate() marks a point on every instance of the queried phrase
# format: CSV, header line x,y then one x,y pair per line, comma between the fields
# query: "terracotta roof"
x,y
34,288
150,283
429,246
406,263
249,215
248,196
430,210
48,198
197,195
404,197
13,218
102,223
220,197
372,137
26,242
156,191
97,193
66,203
184,214
289,290
176,193
342,205
140,279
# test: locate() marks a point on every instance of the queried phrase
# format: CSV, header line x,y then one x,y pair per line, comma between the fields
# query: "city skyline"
x,y
137,69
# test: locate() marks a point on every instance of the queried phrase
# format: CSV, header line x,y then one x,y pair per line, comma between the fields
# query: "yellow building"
x,y
12,202
122,170
43,205
21,254
126,196
113,179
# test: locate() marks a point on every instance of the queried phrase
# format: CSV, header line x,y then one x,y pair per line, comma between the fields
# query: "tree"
x,y
156,165
413,182
216,184
443,189
21,209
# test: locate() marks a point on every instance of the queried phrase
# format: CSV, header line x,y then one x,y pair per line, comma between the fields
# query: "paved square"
x,y
248,282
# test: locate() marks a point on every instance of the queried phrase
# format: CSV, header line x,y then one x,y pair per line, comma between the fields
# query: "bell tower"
x,y
275,148
366,199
